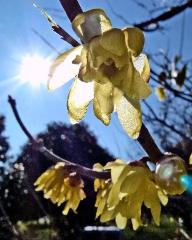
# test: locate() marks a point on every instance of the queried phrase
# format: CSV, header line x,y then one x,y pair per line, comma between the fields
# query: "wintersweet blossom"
x,y
121,199
60,187
109,69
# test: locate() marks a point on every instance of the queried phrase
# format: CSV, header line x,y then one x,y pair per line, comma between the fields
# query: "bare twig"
x,y
164,16
11,226
65,35
38,146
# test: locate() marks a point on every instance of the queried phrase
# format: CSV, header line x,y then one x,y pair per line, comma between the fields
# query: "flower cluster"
x,y
60,187
120,197
110,70
130,187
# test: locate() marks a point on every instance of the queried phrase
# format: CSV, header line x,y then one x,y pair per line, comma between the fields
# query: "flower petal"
x,y
103,101
79,98
90,24
136,223
135,40
114,41
133,85
141,64
129,114
152,201
162,197
62,69
131,183
121,221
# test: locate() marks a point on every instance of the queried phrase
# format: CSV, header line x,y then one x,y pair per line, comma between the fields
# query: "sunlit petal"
x,y
79,98
63,69
129,114
141,64
103,101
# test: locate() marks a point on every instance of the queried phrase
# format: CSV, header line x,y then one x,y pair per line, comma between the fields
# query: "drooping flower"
x,y
60,187
110,70
121,198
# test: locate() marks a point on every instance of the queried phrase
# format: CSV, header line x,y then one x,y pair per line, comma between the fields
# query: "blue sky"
x,y
39,106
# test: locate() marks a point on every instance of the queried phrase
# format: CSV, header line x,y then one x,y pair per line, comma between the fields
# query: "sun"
x,y
34,70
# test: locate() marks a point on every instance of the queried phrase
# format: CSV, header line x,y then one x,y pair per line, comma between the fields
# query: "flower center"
x,y
108,67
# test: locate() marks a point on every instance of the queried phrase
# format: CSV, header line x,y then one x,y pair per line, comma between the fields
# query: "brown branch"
x,y
165,16
72,8
65,35
38,146
58,29
12,102
149,145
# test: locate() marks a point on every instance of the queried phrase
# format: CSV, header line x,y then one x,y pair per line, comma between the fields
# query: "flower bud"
x,y
168,173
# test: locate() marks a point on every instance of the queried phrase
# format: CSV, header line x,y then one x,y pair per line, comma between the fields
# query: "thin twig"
x,y
11,226
38,146
164,16
65,35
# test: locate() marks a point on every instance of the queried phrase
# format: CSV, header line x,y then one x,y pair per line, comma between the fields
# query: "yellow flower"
x,y
161,93
61,188
122,198
110,70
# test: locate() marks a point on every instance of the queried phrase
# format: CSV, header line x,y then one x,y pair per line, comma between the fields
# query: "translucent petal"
x,y
113,198
136,223
117,95
141,64
121,221
129,114
115,194
152,201
162,197
79,98
133,85
90,24
107,215
66,208
116,171
114,41
134,203
131,183
117,162
135,40
62,69
103,101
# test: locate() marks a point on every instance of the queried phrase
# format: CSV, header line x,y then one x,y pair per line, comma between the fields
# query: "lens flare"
x,y
186,181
